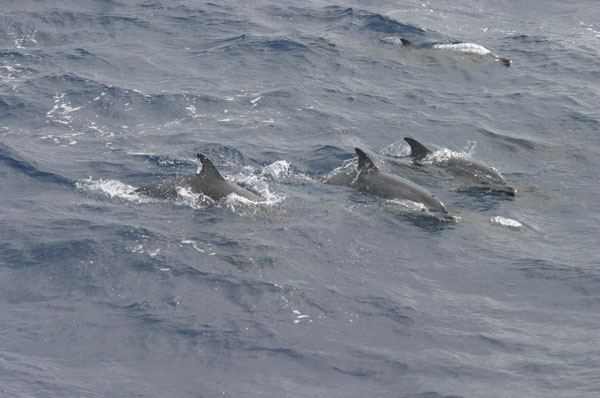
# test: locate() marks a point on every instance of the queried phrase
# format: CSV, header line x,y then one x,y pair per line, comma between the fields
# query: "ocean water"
x,y
319,290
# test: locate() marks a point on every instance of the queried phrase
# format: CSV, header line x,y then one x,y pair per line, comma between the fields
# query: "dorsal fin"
x,y
208,168
408,43
417,150
364,161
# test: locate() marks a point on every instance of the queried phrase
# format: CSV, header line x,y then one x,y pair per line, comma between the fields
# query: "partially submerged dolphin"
x,y
467,48
208,182
477,174
368,179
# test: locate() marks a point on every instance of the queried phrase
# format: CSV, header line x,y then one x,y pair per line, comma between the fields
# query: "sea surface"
x,y
318,290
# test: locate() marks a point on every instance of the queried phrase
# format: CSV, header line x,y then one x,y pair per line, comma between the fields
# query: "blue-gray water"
x,y
321,291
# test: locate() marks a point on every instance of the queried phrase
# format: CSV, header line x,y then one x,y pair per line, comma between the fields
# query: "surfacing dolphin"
x,y
368,179
467,48
477,174
208,182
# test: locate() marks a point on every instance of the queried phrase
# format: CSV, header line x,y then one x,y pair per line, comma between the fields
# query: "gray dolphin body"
x,y
477,174
368,179
503,61
208,182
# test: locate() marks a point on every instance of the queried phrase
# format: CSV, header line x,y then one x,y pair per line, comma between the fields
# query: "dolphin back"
x,y
164,189
208,182
374,182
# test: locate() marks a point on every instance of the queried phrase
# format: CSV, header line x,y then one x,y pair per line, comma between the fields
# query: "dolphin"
x,y
208,182
468,48
368,179
481,175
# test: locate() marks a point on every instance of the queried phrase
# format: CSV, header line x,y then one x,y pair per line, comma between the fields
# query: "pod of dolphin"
x,y
366,178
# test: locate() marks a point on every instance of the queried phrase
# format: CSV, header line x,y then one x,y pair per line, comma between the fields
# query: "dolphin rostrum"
x,y
208,182
468,48
477,174
369,179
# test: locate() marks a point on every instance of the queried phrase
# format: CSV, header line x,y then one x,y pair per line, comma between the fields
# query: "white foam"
x,y
62,110
7,67
114,189
397,149
506,222
278,169
193,243
259,183
392,40
408,205
442,156
469,48
191,199
232,200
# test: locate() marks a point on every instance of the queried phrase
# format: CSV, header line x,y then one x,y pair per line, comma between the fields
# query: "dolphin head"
x,y
506,189
505,61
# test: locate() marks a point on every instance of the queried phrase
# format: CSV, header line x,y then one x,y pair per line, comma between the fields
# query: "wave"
x,y
537,268
325,158
12,159
528,39
339,19
380,23
521,142
52,27
11,106
44,253
254,44
282,44
12,54
98,102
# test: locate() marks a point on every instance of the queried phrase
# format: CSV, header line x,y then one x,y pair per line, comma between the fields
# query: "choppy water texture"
x,y
320,290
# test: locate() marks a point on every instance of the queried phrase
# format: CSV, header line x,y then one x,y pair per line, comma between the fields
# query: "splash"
x,y
342,175
61,110
397,149
441,157
241,205
194,200
277,170
116,190
258,183
248,177
468,48
506,222
113,189
392,40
